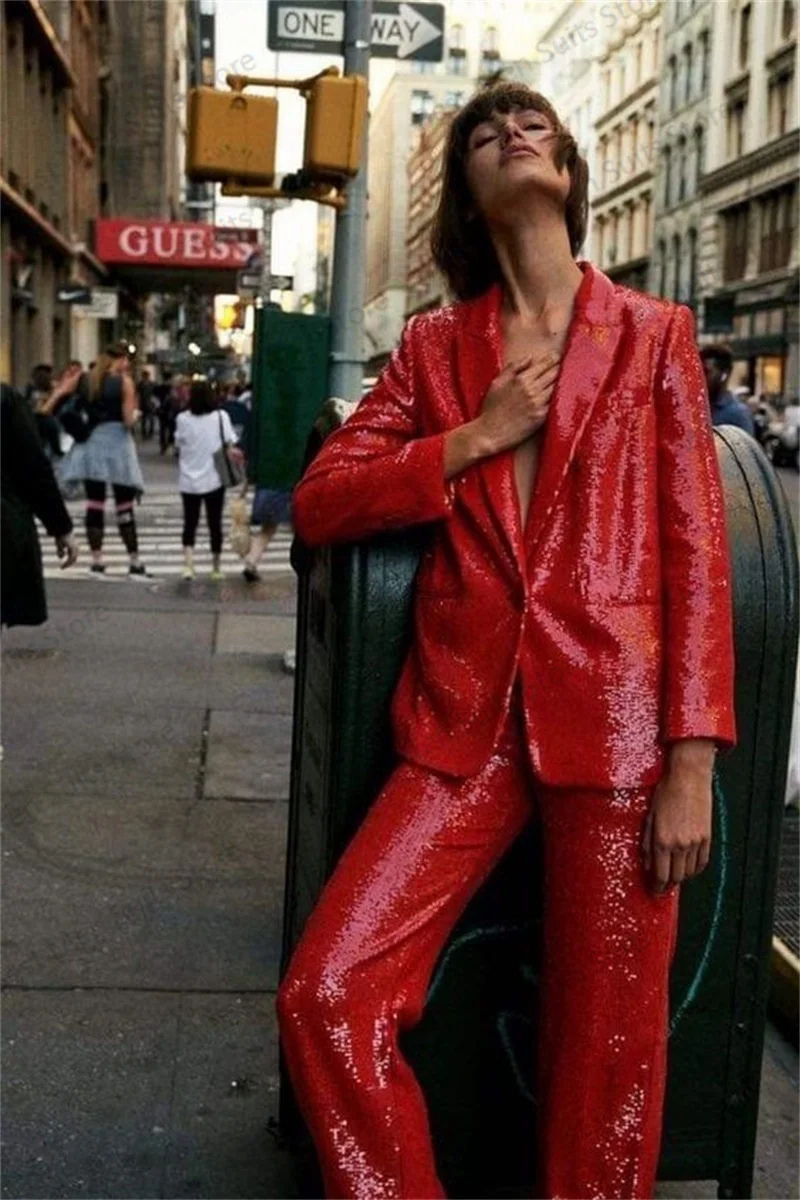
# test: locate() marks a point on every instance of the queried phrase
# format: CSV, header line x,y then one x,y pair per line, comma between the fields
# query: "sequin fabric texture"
x,y
361,971
613,605
569,652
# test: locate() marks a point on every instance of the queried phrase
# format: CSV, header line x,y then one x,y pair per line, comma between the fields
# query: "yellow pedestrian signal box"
x,y
335,115
231,136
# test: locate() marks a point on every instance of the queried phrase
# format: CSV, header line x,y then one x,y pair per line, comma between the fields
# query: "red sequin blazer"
x,y
613,605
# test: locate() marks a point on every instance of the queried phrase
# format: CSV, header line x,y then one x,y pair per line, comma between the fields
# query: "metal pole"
x,y
347,293
266,250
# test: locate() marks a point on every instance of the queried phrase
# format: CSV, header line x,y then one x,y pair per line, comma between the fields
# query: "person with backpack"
x,y
104,455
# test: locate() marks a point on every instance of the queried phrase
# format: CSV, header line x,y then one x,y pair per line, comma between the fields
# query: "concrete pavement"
x,y
146,769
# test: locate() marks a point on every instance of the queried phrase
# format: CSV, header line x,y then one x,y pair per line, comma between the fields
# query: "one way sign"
x,y
399,30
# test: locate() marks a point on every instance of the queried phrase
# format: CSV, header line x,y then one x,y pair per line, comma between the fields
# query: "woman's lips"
x,y
515,151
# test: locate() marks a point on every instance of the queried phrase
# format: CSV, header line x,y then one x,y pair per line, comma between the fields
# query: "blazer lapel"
x,y
591,346
479,355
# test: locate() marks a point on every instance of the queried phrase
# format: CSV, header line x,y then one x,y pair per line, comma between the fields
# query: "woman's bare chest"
x,y
520,343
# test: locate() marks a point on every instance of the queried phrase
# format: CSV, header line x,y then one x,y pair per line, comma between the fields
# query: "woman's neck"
x,y
539,272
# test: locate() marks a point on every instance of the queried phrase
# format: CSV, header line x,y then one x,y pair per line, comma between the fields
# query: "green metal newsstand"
x,y
474,1051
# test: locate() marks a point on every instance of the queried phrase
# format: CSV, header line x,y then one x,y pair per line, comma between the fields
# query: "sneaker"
x,y
217,577
251,574
138,571
98,570
188,573
290,662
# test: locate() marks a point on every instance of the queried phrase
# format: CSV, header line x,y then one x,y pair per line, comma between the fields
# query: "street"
x,y
146,761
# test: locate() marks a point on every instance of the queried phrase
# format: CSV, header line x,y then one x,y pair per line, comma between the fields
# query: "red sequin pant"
x,y
363,965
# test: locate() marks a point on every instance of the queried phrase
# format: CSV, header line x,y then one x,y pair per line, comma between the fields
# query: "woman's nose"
x,y
511,131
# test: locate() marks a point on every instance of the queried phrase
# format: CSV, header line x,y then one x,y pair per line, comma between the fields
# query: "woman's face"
x,y
509,157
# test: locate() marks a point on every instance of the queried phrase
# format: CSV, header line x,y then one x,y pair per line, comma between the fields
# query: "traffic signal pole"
x,y
349,250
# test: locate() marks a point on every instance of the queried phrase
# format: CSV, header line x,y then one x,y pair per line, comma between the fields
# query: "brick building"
x,y
425,287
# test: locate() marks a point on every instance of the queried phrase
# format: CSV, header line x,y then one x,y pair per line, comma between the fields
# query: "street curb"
x,y
784,989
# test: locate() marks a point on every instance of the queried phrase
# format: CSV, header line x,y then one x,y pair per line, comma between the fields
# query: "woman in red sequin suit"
x,y
572,657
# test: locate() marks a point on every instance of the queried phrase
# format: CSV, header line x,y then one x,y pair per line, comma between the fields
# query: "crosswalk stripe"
x,y
159,523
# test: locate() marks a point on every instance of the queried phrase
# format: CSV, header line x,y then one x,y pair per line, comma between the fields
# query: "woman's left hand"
x,y
676,844
237,454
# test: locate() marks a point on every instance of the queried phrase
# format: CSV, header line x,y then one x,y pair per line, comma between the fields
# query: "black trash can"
x,y
474,1050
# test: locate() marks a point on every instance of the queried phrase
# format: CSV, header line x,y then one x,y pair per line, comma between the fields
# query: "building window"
x,y
599,233
788,18
780,103
681,169
607,88
673,83
647,215
687,73
637,77
744,36
676,257
490,52
612,242
662,268
778,224
667,176
692,298
453,99
422,105
704,45
736,121
736,233
602,152
456,51
699,154
629,230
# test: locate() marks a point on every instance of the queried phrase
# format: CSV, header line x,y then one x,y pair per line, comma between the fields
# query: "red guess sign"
x,y
177,243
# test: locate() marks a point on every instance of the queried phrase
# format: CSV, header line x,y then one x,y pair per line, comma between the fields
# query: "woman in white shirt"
x,y
199,433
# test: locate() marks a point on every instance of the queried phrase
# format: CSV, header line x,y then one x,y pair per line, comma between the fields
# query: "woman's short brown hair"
x,y
462,248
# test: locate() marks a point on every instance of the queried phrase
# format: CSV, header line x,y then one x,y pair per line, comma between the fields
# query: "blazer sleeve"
x,y
376,472
696,575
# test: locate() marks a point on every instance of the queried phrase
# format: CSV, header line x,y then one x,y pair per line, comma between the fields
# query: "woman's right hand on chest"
x,y
514,409
517,403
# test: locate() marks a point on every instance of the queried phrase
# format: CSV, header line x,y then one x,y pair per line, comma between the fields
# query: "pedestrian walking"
x,y
726,408
202,432
165,413
146,399
271,508
28,489
108,458
571,659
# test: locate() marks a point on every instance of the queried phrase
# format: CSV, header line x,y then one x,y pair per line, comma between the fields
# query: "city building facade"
x,y
683,108
425,285
749,234
626,73
87,33
481,37
567,56
35,81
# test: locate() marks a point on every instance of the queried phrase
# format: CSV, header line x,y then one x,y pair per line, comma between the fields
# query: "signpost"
x,y
249,282
103,304
398,30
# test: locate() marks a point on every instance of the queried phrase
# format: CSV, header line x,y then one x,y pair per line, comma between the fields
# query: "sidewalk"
x,y
147,740
146,771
